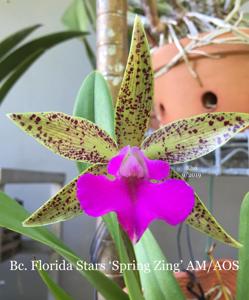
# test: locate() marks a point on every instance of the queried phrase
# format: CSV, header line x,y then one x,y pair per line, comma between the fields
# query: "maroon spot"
x,y
37,120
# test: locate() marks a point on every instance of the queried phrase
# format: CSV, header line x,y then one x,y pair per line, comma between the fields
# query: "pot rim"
x,y
162,55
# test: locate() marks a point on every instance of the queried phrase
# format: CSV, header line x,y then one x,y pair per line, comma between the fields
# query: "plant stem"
x,y
112,41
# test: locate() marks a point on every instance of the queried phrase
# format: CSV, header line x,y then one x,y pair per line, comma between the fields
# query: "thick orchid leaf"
x,y
156,285
14,39
63,206
54,288
71,137
135,97
243,278
11,216
191,138
202,220
94,103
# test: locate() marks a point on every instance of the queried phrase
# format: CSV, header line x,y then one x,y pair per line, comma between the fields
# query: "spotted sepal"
x,y
64,205
191,138
71,137
134,101
202,220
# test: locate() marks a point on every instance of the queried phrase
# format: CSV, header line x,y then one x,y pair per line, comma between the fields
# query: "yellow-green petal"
x,y
71,137
64,205
134,101
202,220
191,138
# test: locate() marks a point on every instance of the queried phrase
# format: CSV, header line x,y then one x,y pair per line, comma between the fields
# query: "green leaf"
x,y
134,101
71,137
43,43
14,39
78,16
242,277
75,16
81,166
94,103
11,216
131,280
62,206
191,138
156,285
202,220
90,53
90,7
56,290
17,73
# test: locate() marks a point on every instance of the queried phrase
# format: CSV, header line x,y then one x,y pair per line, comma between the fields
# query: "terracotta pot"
x,y
225,82
209,280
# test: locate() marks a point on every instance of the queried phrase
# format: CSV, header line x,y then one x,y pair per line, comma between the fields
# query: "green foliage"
x,y
80,15
9,43
10,62
94,103
14,62
131,279
156,285
19,71
55,289
242,277
12,215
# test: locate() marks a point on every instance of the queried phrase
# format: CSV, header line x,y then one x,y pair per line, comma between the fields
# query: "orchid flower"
x,y
142,186
134,194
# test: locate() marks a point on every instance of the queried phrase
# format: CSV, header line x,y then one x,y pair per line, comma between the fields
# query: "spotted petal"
x,y
64,205
135,97
71,137
191,138
202,220
171,201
